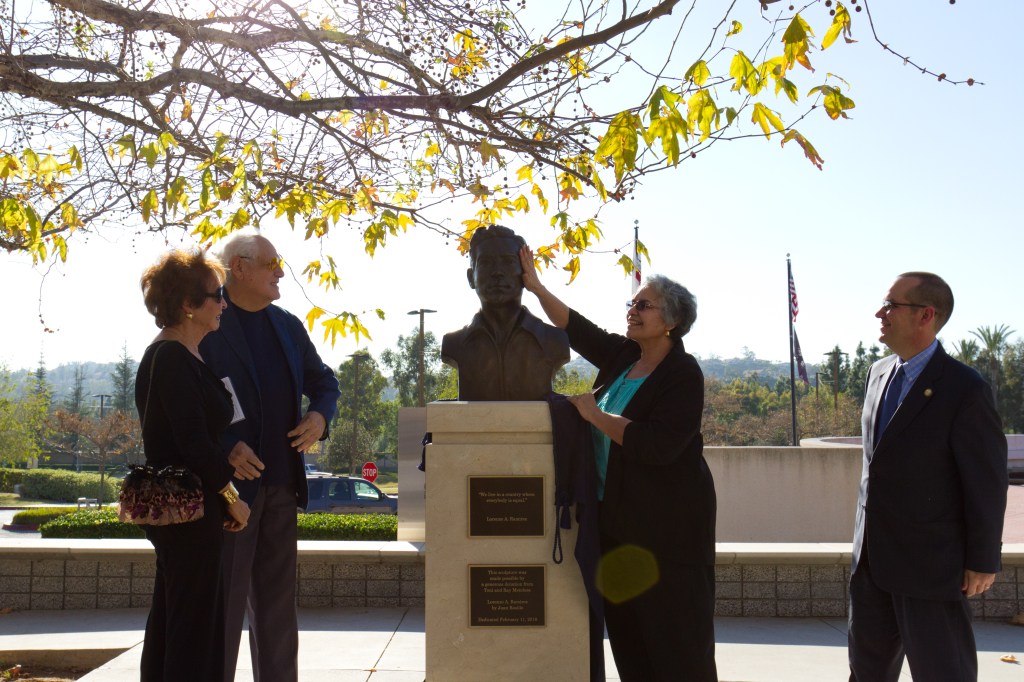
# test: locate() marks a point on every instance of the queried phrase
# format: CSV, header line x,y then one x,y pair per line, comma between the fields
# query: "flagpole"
x,y
792,360
636,256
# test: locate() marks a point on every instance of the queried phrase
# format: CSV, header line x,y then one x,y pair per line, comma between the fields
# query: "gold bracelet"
x,y
230,493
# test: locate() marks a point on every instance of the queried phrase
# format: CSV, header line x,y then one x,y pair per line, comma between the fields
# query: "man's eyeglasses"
x,y
272,264
641,305
218,295
889,306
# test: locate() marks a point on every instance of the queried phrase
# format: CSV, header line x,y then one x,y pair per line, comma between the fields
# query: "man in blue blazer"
x,y
266,359
932,498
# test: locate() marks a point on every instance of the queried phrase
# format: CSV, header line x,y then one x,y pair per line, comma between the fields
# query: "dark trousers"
x,y
668,632
259,582
935,635
185,629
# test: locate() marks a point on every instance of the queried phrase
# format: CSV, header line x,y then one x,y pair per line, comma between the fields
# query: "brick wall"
x,y
765,580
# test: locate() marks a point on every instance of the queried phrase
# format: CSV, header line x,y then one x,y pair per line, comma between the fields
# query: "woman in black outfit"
x,y
184,408
657,497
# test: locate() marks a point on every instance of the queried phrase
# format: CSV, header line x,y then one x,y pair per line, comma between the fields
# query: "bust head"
x,y
495,272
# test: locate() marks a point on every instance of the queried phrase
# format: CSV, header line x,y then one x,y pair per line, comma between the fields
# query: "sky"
x,y
924,176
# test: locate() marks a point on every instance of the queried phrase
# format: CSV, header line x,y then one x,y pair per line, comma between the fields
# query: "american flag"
x,y
794,307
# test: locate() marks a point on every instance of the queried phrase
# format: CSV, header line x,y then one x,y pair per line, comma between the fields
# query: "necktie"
x,y
891,401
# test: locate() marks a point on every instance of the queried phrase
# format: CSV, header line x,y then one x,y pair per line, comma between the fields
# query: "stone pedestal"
x,y
497,607
412,424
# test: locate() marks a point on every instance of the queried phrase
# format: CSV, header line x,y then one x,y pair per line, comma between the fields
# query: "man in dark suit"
x,y
505,353
932,498
267,361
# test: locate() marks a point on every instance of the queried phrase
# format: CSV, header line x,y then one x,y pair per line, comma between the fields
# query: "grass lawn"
x,y
15,500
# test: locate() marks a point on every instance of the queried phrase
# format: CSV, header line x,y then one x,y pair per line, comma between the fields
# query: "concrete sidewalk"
x,y
387,645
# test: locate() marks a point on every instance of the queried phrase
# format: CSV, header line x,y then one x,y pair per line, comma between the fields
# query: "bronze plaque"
x,y
506,596
506,506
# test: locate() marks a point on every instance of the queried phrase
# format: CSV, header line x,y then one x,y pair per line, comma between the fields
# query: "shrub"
x,y
324,526
67,486
103,523
10,478
40,515
90,523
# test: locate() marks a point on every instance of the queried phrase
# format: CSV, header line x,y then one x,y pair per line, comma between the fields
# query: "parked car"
x,y
311,469
347,495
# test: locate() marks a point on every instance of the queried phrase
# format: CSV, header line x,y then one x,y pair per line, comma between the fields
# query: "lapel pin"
x,y
927,393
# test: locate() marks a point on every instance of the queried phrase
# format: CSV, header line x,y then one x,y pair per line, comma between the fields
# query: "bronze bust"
x,y
505,353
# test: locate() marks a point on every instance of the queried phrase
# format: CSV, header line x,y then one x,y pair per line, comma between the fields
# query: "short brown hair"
x,y
932,290
178,276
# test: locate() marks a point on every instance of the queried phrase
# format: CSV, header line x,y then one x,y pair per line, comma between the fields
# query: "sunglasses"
x,y
218,295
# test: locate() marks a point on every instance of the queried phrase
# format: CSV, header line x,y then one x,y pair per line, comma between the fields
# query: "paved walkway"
x,y
387,645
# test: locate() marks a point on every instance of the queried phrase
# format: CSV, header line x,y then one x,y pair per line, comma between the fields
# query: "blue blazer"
x,y
933,488
227,354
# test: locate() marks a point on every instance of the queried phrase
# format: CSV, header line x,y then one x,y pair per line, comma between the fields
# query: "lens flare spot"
x,y
626,572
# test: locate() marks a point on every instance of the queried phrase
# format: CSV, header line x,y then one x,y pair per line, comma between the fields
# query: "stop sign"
x,y
370,471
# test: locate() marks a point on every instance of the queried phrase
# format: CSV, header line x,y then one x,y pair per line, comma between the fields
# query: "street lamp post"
x,y
102,397
420,380
357,358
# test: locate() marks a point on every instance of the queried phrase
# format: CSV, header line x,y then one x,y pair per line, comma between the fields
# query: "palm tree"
x,y
994,339
966,351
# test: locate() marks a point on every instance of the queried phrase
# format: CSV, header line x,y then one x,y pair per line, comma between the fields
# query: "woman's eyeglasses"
x,y
641,305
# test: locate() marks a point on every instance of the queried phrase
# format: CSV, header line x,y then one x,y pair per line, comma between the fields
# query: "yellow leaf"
x,y
809,151
573,268
432,150
836,103
701,113
699,73
736,28
539,193
489,152
525,174
747,77
789,87
149,204
840,24
312,316
620,143
186,111
764,117
796,43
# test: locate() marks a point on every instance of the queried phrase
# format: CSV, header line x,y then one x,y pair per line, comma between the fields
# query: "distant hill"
x,y
62,379
723,369
727,369
97,374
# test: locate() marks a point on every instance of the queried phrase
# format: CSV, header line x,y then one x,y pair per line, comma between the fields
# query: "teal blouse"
x,y
614,401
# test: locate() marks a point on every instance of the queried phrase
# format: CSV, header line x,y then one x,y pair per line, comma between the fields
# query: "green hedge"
x,y
40,515
10,478
324,526
67,486
103,523
90,523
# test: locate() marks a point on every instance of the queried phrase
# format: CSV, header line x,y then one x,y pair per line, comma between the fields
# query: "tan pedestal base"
x,y
502,439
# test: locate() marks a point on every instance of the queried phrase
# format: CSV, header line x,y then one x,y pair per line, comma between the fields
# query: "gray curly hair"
x,y
679,307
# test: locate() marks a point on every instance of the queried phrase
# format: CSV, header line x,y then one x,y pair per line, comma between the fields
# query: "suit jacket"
x,y
933,488
659,493
227,353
